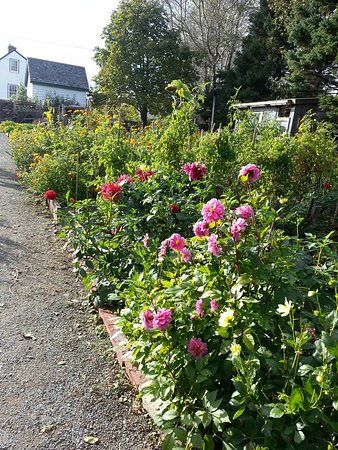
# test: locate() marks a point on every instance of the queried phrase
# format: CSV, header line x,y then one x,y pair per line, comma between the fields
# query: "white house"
x,y
13,67
49,79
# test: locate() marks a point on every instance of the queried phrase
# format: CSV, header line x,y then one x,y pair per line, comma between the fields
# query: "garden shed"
x,y
288,112
50,79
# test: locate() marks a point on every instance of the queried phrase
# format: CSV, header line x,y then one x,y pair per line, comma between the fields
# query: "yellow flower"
x,y
226,317
235,349
285,309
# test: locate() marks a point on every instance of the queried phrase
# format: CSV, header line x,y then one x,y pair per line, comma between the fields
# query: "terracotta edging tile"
x,y
119,343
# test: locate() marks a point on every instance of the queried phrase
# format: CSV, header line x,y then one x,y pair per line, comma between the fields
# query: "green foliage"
x,y
267,378
260,64
312,57
141,55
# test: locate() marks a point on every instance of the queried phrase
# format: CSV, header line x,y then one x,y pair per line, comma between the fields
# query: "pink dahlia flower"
x,y
50,195
237,227
185,254
162,319
176,242
143,175
201,229
163,250
195,171
199,307
244,211
213,245
124,178
146,240
197,348
251,171
111,192
213,211
213,305
147,319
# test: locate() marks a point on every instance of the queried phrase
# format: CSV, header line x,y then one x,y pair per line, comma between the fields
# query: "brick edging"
x,y
119,341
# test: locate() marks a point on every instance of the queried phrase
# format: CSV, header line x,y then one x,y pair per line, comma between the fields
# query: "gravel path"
x,y
59,381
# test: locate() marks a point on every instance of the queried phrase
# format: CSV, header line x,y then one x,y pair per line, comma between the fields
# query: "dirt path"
x,y
58,380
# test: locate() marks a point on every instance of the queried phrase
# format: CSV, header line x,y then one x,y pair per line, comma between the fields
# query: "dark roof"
x,y
12,51
57,74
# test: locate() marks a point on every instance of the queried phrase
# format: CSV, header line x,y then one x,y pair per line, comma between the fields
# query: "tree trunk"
x,y
144,115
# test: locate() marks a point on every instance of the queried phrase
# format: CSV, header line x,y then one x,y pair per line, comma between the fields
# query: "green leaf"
x,y
239,412
180,434
299,436
197,440
248,341
168,442
204,416
276,413
331,343
296,399
170,414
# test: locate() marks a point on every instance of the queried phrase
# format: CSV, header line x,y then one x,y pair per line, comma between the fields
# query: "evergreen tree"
x,y
313,55
140,58
259,65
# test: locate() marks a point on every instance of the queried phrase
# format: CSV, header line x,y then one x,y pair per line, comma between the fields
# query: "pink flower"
x,y
213,245
50,195
176,242
146,240
201,229
185,254
143,175
197,348
199,307
162,319
237,227
195,171
147,318
111,192
124,178
213,211
244,211
213,305
251,171
163,250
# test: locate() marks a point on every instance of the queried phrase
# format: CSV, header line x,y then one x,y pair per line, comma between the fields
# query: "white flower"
x,y
226,317
285,309
235,349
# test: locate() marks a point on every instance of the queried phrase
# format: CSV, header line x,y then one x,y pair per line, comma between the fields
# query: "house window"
x,y
12,90
14,65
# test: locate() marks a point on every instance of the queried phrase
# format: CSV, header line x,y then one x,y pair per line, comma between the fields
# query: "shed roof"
x,y
281,102
58,74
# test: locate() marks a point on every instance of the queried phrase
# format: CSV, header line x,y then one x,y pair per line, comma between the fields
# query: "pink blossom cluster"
x,y
145,240
111,192
251,171
213,211
201,229
124,178
197,348
175,242
244,211
213,245
195,171
237,228
163,250
160,320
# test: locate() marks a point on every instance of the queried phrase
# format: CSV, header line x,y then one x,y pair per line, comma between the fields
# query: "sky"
x,y
64,31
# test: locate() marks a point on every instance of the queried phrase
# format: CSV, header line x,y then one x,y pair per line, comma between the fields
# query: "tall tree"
x,y
140,57
259,66
313,56
213,29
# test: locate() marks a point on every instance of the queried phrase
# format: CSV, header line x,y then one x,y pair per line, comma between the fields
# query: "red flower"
x,y
174,208
143,175
50,195
328,185
111,192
